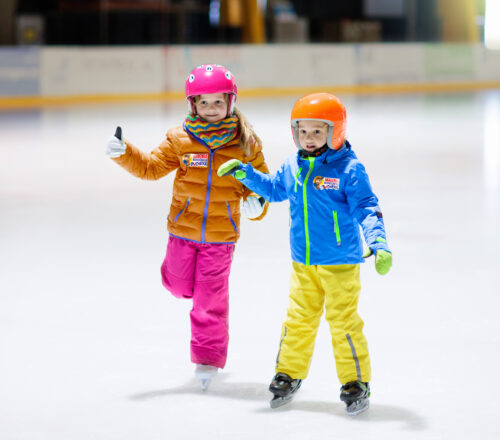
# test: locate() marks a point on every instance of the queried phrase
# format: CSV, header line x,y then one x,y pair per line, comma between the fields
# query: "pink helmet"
x,y
210,78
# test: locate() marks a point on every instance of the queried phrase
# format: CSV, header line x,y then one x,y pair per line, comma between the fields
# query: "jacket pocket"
x,y
182,210
336,227
231,218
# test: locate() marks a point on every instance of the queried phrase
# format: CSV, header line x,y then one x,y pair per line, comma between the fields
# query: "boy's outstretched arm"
x,y
253,206
269,186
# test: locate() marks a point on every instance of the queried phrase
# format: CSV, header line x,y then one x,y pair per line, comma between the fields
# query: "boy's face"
x,y
211,107
312,135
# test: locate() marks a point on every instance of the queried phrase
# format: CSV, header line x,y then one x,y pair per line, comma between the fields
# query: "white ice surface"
x,y
93,347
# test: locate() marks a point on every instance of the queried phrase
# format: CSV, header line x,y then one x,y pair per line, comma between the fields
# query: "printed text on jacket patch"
x,y
326,183
197,160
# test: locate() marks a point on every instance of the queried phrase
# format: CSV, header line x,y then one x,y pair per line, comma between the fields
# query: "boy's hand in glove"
x,y
383,262
253,206
116,147
232,167
383,258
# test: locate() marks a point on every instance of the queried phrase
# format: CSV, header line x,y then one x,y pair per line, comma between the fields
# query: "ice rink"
x,y
93,347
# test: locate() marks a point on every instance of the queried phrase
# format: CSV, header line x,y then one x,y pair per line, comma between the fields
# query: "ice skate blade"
x,y
204,384
205,374
278,401
356,408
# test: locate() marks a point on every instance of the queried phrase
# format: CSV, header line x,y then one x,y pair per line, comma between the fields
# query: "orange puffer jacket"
x,y
205,207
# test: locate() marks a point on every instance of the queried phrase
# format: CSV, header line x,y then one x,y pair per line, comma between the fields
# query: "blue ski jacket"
x,y
330,197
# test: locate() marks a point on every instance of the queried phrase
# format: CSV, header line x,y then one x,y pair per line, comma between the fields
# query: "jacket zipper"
x,y
336,227
182,210
209,185
306,221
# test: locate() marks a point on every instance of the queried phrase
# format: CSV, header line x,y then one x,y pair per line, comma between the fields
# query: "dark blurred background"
x,y
139,22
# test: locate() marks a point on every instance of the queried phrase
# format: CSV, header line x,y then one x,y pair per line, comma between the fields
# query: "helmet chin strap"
x,y
315,153
191,107
230,104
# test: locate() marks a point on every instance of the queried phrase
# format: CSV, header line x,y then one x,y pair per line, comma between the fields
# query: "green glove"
x,y
383,262
232,167
367,252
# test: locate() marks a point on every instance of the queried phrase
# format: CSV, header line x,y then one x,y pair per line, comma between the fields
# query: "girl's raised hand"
x,y
116,147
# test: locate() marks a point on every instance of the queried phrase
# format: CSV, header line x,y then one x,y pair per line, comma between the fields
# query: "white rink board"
x,y
266,66
390,63
77,71
89,71
487,63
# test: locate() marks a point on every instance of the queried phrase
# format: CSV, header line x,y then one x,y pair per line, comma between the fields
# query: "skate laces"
x,y
283,377
354,386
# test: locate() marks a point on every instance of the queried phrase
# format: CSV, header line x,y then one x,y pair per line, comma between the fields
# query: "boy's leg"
x,y
209,316
177,270
301,325
342,287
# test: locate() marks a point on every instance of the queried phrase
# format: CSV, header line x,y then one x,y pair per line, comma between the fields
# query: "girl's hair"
x,y
248,137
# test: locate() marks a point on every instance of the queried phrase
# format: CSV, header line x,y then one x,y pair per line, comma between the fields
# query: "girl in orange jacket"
x,y
204,217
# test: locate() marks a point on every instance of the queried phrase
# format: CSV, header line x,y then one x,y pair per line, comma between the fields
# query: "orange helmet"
x,y
322,107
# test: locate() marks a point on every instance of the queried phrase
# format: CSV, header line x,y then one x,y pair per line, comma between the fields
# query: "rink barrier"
x,y
44,76
29,102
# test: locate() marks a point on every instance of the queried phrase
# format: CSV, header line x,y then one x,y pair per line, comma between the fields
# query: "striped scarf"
x,y
213,134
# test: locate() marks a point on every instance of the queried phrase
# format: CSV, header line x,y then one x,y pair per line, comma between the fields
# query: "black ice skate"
x,y
283,387
356,397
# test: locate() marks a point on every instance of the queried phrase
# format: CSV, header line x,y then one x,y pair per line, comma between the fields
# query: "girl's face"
x,y
211,107
312,135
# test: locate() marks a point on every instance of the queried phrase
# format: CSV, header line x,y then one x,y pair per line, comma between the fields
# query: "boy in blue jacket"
x,y
330,198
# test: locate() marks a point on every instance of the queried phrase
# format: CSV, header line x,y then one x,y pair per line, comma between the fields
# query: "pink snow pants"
x,y
201,271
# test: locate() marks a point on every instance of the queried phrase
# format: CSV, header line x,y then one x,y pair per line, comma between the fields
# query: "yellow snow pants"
x,y
311,287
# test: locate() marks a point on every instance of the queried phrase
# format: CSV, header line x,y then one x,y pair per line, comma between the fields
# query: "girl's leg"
x,y
301,325
342,287
209,316
177,270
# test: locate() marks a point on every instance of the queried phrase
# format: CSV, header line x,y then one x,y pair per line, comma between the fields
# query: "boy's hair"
x,y
318,120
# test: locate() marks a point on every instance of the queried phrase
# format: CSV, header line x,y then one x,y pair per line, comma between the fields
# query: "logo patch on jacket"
x,y
326,183
196,160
